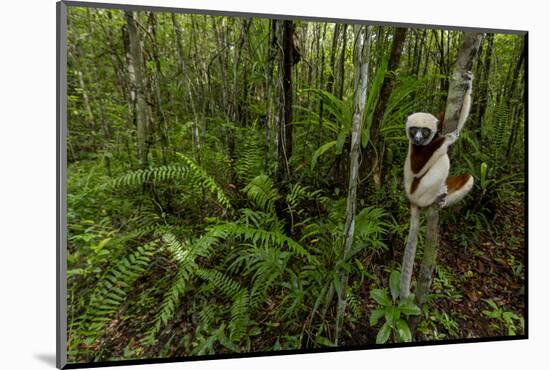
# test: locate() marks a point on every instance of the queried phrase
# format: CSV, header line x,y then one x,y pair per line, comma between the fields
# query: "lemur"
x,y
427,165
427,177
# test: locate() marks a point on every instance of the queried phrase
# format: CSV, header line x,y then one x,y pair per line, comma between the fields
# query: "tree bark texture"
x,y
361,58
136,75
460,80
385,91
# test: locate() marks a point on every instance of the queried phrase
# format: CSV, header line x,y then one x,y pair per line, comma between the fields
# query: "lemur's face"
x,y
420,135
421,128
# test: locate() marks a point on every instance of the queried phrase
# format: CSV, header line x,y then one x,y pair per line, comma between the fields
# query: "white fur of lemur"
x,y
427,165
427,177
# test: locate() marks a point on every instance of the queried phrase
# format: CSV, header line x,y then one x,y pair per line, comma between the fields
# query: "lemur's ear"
x,y
440,119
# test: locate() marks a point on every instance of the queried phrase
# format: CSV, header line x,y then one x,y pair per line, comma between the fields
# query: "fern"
x,y
240,320
354,304
250,162
185,256
226,285
262,192
111,291
156,174
189,171
199,175
265,237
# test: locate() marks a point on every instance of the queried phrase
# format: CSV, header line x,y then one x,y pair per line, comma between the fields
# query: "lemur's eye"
x,y
426,131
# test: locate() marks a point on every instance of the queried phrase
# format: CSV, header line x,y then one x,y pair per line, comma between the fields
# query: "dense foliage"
x,y
207,186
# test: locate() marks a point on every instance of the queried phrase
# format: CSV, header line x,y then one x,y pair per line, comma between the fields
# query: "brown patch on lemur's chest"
x,y
415,183
421,154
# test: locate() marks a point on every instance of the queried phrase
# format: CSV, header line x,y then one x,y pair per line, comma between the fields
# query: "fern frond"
x,y
189,171
250,162
265,237
184,254
111,291
155,174
199,175
240,320
262,192
225,284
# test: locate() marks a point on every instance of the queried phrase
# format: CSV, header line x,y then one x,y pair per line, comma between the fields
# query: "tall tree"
x,y
188,87
342,78
375,153
483,90
288,58
360,79
457,90
333,52
136,75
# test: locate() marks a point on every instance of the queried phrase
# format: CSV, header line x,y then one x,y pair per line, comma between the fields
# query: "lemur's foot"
x,y
442,200
442,197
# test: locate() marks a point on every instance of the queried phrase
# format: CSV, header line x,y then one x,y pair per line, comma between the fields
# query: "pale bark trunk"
x,y
429,257
458,87
136,74
460,81
188,86
361,58
409,254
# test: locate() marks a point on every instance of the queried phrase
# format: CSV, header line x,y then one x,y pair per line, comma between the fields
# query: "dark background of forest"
x,y
207,180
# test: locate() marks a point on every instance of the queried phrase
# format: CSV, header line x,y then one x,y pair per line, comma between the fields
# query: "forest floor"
x,y
493,268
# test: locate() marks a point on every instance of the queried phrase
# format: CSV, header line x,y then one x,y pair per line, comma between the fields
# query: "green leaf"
x,y
403,331
491,303
383,334
323,341
394,284
392,314
375,316
409,308
508,316
381,297
340,140
338,285
320,151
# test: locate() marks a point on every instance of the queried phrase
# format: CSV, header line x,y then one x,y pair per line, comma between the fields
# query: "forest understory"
x,y
236,185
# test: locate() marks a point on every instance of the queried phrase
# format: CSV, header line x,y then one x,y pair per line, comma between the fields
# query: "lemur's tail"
x,y
458,187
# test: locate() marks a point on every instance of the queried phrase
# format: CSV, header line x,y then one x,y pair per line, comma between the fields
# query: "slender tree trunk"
x,y
460,81
458,87
483,95
342,79
188,86
270,126
361,58
333,52
429,257
136,75
321,81
161,118
374,157
285,134
235,99
510,100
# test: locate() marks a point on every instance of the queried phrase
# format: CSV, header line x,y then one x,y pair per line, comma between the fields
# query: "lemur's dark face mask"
x,y
420,135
